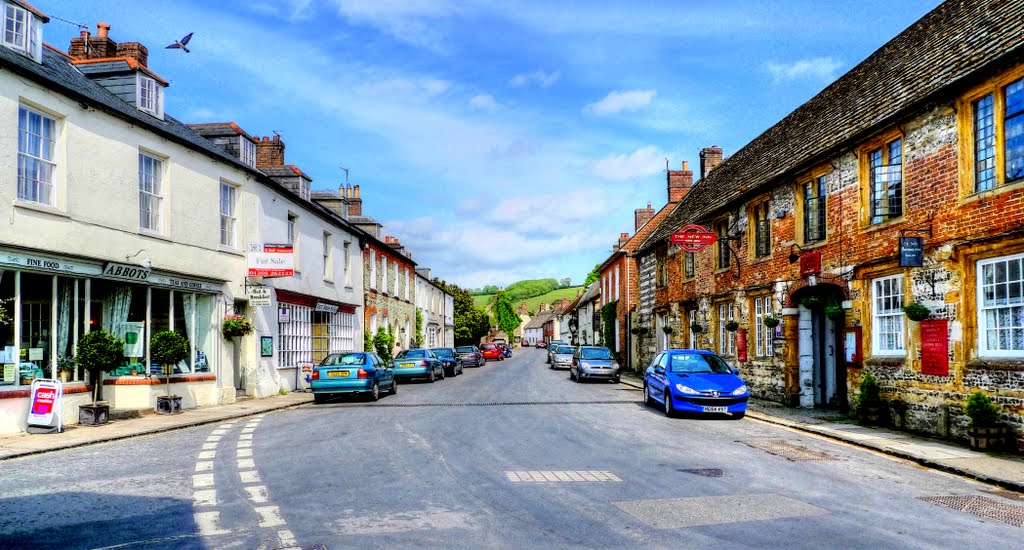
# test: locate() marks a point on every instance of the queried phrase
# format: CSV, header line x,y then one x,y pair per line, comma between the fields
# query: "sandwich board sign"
x,y
44,413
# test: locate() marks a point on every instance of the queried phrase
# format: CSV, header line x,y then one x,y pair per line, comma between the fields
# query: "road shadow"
x,y
71,520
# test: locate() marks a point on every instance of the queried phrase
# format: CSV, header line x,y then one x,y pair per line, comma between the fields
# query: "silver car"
x,y
551,348
593,363
561,356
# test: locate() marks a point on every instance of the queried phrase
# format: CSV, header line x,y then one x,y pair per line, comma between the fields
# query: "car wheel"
x,y
319,398
648,402
669,409
616,379
442,374
431,377
552,367
394,386
375,392
739,415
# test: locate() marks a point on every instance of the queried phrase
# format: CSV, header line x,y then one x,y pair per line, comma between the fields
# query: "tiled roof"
x,y
323,195
220,129
288,170
933,56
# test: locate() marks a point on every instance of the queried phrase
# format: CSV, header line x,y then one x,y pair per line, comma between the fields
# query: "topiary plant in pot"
x,y
98,351
168,348
986,432
869,401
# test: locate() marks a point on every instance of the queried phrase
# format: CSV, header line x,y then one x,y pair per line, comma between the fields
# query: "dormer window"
x,y
150,96
248,151
22,31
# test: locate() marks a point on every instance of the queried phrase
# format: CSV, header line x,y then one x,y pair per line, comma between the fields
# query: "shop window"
x,y
8,353
887,336
1001,306
295,337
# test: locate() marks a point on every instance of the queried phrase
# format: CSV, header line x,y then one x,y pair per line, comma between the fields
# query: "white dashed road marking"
x,y
251,476
537,476
209,524
270,516
257,494
202,480
205,497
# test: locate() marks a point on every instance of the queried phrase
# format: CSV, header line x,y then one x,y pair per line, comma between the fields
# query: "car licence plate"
x,y
716,409
406,365
337,373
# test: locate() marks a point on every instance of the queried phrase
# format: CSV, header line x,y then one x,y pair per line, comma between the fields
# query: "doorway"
x,y
822,367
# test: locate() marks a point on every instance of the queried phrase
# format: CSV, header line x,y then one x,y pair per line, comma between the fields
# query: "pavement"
x,y
999,469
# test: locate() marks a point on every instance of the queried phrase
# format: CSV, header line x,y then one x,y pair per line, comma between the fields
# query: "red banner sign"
x,y
741,345
935,347
693,238
810,264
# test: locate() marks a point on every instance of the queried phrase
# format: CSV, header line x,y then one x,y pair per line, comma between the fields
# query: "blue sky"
x,y
500,140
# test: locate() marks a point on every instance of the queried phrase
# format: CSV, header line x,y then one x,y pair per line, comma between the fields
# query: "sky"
x,y
498,140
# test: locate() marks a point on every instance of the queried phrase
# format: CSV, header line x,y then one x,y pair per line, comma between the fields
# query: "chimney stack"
x,y
623,237
134,50
679,183
355,204
522,308
643,215
269,152
710,157
93,47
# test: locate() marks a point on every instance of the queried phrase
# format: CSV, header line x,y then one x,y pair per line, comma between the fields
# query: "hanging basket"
x,y
234,326
696,328
732,326
917,312
835,312
771,322
811,302
667,330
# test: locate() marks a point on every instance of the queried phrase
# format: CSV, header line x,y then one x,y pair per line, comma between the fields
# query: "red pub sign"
x,y
935,347
693,238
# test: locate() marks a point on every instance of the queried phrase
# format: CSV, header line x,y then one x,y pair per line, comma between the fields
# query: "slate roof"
x,y
288,171
934,56
219,129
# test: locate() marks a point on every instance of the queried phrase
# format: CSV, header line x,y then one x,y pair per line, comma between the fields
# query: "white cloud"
x,y
620,102
483,102
407,89
645,161
406,20
818,68
540,78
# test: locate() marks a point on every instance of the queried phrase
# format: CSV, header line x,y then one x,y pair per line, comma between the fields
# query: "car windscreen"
x,y
596,353
488,346
413,354
443,352
698,363
345,359
566,350
465,349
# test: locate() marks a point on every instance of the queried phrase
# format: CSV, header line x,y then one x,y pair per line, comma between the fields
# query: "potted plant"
x,y
771,321
986,432
916,311
732,326
696,328
168,348
235,325
835,312
810,302
65,366
666,329
869,402
98,351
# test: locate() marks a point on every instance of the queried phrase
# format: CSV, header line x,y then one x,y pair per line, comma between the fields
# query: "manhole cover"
x,y
706,472
785,449
983,507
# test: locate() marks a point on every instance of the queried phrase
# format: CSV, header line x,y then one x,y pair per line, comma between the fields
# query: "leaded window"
x,y
722,244
1013,131
984,143
688,267
885,169
762,231
814,210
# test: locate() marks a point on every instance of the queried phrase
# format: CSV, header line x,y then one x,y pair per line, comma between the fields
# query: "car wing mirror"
x,y
659,370
736,371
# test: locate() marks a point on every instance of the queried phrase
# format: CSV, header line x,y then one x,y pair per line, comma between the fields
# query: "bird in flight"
x,y
180,44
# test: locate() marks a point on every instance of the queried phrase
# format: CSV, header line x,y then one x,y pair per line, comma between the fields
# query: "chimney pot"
x,y
102,29
356,191
85,34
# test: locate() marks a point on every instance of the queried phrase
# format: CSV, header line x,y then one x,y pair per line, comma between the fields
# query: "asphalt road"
x,y
509,455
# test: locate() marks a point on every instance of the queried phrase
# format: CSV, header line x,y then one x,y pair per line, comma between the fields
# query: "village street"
x,y
510,455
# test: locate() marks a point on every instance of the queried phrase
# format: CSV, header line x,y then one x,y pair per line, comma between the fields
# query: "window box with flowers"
x,y
234,326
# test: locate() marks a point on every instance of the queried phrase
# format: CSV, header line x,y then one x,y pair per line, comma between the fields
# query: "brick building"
x,y
921,139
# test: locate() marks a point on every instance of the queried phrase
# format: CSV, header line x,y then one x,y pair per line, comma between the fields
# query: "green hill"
x,y
484,300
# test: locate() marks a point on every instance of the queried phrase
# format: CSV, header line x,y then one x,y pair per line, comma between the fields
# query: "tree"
x,y
565,283
593,275
471,322
384,342
419,329
505,314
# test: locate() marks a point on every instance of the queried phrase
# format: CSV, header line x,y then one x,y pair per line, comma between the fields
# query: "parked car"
x,y
525,343
561,357
418,363
449,360
686,380
551,348
506,351
541,344
490,350
358,373
470,355
593,363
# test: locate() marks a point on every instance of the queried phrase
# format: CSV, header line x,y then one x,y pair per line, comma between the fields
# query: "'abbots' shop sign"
x,y
125,271
270,260
693,238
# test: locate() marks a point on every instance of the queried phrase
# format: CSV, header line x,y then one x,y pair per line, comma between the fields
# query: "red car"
x,y
491,351
541,344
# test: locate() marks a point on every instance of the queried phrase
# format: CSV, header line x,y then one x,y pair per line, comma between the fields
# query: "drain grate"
x,y
705,472
983,507
785,449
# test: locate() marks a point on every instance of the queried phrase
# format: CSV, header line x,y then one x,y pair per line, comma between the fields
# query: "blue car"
x,y
694,381
418,363
449,360
358,373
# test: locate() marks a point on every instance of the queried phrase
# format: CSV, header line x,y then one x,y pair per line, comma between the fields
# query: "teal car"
x,y
355,373
418,363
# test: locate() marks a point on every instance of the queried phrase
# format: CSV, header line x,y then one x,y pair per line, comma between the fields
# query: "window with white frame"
x,y
228,220
150,189
617,282
762,334
384,273
887,336
395,264
292,223
37,137
348,263
16,27
247,150
149,97
328,268
295,337
726,340
373,269
1001,306
408,283
344,337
